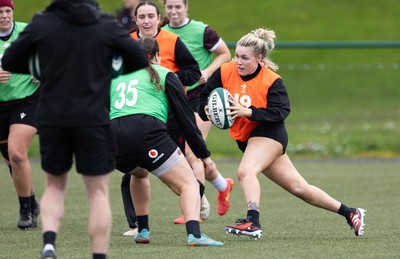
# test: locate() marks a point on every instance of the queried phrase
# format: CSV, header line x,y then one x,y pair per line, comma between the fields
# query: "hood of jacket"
x,y
78,12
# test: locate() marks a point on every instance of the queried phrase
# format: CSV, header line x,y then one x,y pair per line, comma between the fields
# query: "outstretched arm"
x,y
185,116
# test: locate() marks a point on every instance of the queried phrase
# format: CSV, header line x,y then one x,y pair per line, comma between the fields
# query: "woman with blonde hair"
x,y
260,107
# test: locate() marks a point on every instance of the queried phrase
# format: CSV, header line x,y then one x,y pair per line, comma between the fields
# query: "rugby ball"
x,y
34,67
217,104
117,66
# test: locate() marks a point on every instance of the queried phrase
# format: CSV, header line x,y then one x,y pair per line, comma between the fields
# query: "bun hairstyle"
x,y
263,42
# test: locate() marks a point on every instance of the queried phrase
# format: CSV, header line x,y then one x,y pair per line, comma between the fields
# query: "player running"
x,y
260,108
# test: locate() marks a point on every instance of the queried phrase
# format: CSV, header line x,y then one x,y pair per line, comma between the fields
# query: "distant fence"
x,y
338,44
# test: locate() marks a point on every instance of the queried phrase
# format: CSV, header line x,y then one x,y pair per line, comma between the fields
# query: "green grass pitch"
x,y
292,229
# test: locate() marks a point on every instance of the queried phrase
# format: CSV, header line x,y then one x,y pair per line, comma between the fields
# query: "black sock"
x,y
202,189
345,211
99,256
193,227
253,216
24,204
143,222
49,237
33,202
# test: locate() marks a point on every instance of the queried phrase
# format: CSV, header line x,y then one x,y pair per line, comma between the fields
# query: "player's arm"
x,y
278,106
189,70
184,115
213,82
217,45
16,56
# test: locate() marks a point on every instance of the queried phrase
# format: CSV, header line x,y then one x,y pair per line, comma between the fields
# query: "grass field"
x,y
292,229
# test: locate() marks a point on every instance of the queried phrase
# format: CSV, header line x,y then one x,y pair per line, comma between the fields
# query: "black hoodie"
x,y
75,42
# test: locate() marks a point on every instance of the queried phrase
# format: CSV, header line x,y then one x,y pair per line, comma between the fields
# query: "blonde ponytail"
x,y
263,42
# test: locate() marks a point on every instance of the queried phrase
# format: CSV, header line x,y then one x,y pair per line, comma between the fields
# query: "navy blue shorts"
x,y
92,148
18,112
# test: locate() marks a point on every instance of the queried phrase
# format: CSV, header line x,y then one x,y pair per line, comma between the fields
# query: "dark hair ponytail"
x,y
151,47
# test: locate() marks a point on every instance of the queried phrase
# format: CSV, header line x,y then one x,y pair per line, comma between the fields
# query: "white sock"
x,y
219,183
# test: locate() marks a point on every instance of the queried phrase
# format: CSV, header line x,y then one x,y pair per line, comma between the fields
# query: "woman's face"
x,y
176,12
147,20
246,61
6,18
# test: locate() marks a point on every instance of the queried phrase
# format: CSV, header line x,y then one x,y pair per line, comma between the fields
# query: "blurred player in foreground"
x,y
75,42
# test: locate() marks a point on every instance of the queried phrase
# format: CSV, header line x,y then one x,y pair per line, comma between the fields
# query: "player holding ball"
x,y
260,107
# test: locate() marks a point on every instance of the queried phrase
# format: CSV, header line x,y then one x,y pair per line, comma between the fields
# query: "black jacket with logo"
x,y
75,42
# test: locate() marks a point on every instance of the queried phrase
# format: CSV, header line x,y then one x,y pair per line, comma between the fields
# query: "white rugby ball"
x,y
34,67
117,66
217,104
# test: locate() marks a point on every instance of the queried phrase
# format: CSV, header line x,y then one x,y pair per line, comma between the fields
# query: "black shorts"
x,y
18,112
273,131
92,147
143,142
193,96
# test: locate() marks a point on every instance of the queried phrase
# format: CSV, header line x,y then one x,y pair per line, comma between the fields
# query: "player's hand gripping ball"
x,y
217,104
